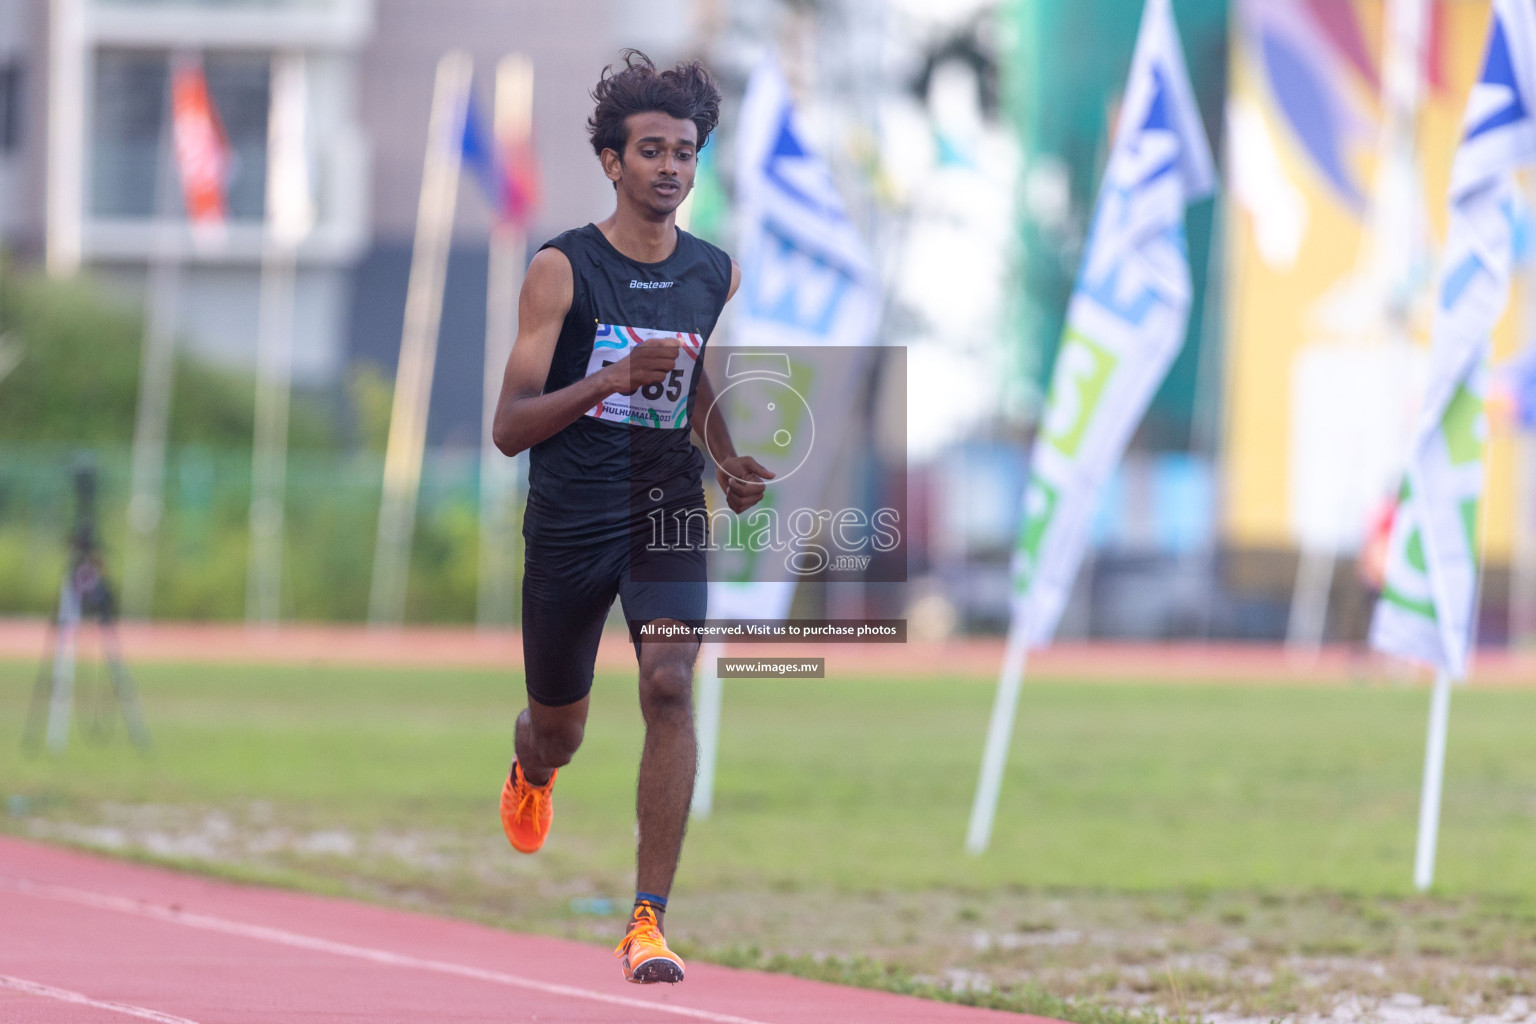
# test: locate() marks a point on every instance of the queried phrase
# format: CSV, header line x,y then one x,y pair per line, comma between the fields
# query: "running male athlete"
x,y
602,387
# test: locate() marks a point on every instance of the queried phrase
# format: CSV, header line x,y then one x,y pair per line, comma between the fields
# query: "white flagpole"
x,y
157,370
1439,725
156,375
708,696
994,757
706,718
1308,618
1434,779
504,281
289,217
418,343
269,461
66,137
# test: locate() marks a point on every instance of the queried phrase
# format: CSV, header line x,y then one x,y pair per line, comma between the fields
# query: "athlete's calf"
x,y
668,762
548,737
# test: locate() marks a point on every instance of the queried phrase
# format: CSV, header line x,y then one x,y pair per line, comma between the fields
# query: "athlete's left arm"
x,y
741,477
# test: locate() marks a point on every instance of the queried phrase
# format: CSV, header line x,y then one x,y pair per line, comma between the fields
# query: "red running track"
x,y
86,939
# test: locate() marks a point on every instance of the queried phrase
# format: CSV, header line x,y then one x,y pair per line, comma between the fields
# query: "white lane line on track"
x,y
296,940
64,995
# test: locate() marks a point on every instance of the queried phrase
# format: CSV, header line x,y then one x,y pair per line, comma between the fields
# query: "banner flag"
x,y
521,185
202,154
806,280
1125,324
1426,605
505,168
480,158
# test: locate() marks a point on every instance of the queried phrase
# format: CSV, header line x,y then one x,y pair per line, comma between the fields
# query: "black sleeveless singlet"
x,y
595,479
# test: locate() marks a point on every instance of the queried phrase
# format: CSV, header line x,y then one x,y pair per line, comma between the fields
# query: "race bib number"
x,y
663,404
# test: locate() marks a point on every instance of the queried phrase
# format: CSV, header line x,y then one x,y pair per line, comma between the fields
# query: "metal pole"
x,y
418,343
1434,778
999,734
706,719
66,137
269,462
157,370
508,248
1439,721
289,216
1308,619
1205,416
498,474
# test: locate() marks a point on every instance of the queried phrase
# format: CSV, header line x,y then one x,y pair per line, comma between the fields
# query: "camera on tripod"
x,y
84,592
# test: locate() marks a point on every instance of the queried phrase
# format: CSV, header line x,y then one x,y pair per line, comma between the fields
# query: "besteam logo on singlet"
x,y
651,285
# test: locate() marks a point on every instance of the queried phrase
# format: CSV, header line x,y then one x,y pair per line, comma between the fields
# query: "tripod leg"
x,y
32,737
122,683
61,704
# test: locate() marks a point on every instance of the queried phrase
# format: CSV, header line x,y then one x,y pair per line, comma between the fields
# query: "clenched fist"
x,y
742,478
647,363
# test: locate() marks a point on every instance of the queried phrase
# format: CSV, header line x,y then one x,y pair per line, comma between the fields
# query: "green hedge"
x,y
330,521
77,379
76,388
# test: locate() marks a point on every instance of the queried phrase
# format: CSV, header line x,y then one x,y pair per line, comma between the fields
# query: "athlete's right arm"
x,y
524,414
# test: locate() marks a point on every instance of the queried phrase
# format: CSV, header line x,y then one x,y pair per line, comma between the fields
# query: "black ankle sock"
x,y
656,903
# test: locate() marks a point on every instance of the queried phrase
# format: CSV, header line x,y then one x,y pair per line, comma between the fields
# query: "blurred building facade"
x,y
17,192
87,185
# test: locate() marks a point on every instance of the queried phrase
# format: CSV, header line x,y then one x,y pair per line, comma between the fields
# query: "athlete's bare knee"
x,y
557,743
553,738
666,690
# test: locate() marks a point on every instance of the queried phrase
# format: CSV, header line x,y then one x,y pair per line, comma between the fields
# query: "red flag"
x,y
521,186
202,154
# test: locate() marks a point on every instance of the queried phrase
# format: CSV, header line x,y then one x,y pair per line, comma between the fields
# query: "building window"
x,y
130,135
10,107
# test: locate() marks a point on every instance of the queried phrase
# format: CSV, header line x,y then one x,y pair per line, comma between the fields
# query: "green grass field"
x,y
1176,801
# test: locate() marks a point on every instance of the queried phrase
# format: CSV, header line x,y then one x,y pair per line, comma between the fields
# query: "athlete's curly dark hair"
x,y
686,91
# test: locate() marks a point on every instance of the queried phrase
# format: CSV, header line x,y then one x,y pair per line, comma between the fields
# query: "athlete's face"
x,y
656,172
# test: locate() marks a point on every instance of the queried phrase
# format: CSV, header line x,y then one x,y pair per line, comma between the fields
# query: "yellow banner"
x,y
1321,390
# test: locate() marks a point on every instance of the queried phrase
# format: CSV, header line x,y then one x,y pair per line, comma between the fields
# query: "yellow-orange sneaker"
x,y
526,810
644,956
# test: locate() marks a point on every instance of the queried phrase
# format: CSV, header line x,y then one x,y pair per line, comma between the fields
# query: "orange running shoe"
x,y
526,810
645,956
